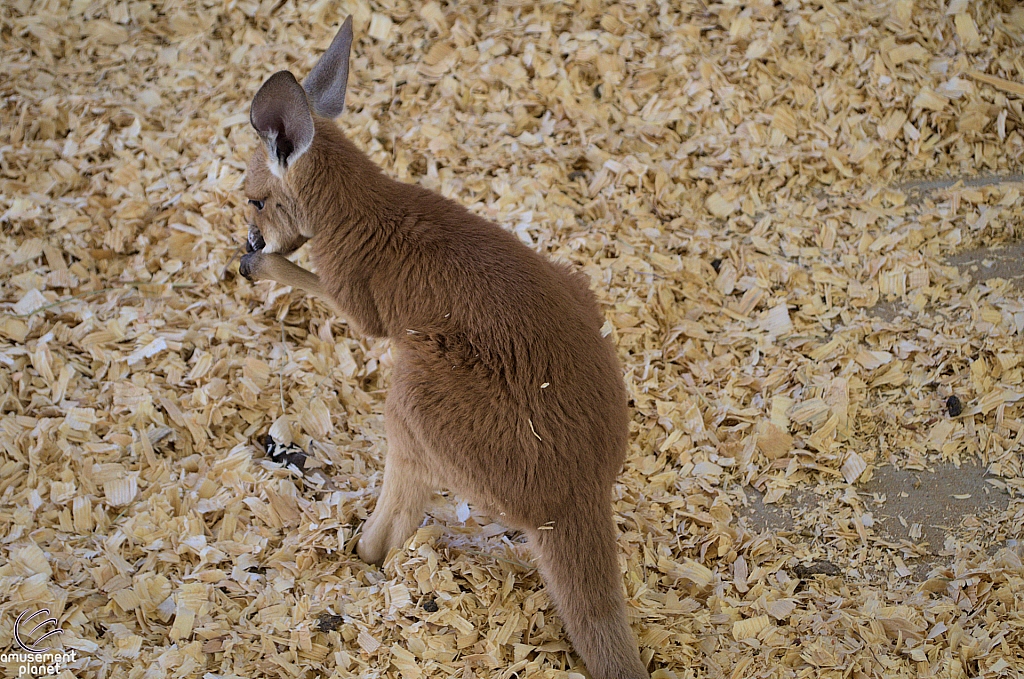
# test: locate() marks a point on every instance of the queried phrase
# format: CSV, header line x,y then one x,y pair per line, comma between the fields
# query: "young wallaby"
x,y
503,389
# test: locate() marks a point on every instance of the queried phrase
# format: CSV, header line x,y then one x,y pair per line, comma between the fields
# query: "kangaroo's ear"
x,y
326,83
280,114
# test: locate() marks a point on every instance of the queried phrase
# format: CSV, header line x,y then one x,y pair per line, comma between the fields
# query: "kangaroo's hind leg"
x,y
579,562
404,495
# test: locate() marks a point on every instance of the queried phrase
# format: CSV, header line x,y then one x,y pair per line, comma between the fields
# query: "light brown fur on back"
x,y
503,389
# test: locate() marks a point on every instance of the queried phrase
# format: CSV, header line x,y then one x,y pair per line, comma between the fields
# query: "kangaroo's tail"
x,y
580,566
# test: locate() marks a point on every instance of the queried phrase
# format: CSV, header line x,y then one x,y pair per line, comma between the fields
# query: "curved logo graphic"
x,y
27,644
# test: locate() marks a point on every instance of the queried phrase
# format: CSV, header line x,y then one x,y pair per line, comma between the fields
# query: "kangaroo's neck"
x,y
344,186
359,213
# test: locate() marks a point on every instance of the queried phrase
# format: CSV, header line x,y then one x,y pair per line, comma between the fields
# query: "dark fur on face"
x,y
503,388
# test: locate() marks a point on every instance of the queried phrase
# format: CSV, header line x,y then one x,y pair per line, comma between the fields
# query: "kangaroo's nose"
x,y
255,240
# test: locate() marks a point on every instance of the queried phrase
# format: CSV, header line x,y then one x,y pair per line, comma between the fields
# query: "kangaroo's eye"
x,y
257,203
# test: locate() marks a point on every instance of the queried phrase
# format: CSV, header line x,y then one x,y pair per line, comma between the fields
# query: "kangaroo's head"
x,y
283,174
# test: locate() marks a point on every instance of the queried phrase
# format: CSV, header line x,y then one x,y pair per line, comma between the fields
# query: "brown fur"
x,y
478,324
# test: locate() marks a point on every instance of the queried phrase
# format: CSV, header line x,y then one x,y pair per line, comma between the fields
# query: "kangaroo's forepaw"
x,y
250,265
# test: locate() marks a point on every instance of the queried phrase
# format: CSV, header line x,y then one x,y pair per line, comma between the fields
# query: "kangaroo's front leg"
x,y
260,266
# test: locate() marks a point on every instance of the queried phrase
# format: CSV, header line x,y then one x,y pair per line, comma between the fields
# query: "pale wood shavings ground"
x,y
726,173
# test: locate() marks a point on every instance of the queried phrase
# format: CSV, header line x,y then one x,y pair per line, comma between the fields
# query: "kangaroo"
x,y
503,389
